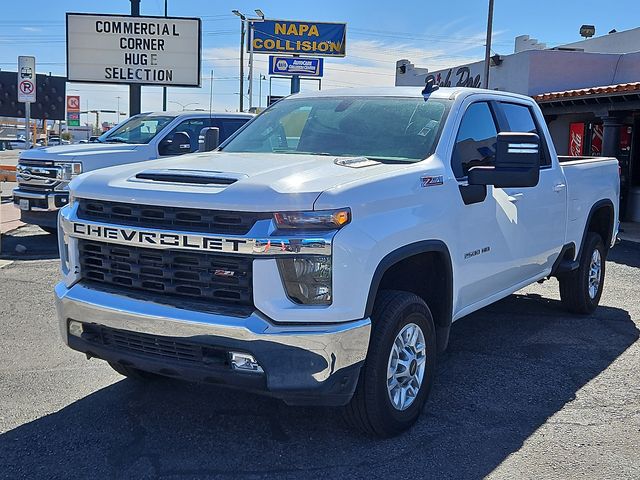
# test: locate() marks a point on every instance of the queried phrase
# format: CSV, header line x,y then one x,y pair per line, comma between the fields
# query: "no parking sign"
x,y
27,79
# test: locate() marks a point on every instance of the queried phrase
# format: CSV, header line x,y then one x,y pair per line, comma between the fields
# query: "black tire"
x,y
371,409
50,230
574,286
134,373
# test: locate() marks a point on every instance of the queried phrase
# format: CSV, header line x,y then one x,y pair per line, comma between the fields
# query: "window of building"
x,y
476,140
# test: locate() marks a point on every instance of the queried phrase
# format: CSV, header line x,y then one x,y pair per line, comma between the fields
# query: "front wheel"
x,y
580,290
399,369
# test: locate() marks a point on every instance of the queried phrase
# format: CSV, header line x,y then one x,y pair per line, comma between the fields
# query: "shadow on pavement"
x,y
625,253
508,369
29,242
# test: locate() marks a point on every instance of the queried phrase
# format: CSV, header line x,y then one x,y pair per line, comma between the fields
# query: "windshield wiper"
x,y
115,140
391,159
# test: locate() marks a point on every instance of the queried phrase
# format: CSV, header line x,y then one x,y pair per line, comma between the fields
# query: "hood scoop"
x,y
355,162
191,177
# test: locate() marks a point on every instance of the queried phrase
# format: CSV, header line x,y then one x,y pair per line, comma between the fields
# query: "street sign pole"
x,y
295,82
27,123
135,91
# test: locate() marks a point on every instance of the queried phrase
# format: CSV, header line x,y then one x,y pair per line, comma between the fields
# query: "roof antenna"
x,y
431,86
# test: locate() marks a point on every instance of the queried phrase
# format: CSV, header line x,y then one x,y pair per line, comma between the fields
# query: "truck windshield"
x,y
138,129
382,128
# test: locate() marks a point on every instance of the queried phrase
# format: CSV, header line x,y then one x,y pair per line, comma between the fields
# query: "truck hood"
x,y
84,152
242,181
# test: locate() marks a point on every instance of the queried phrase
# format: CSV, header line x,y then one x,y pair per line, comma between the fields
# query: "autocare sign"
x,y
300,38
133,50
27,79
310,67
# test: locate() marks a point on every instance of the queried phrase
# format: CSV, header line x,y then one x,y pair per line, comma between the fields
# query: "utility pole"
x,y
242,20
164,89
487,52
250,92
210,92
118,111
135,90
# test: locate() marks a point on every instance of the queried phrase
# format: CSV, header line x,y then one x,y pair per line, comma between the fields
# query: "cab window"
x,y
476,140
191,127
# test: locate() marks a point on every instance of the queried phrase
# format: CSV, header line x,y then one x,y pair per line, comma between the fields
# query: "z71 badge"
x,y
431,181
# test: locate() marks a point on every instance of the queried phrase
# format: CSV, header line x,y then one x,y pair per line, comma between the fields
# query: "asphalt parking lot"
x,y
524,391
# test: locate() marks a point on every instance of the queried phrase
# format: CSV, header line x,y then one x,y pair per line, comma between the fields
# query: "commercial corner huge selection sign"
x,y
133,50
300,38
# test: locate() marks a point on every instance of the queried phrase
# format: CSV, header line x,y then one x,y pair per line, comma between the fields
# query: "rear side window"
x,y
476,140
520,119
228,126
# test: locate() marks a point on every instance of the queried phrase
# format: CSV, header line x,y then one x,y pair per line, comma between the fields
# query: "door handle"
x,y
558,187
515,197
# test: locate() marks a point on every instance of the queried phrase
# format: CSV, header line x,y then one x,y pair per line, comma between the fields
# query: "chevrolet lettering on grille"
x,y
158,239
270,246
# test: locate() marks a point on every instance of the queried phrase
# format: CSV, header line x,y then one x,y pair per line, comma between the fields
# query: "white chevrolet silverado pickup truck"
x,y
44,174
321,254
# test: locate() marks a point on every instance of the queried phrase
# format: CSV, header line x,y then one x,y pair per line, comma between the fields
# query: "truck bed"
x,y
589,181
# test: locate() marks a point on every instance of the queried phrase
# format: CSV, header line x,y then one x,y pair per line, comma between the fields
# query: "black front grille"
x,y
172,273
177,218
165,348
36,163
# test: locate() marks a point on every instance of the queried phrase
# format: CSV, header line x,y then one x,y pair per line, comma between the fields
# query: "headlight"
x,y
317,220
307,280
70,170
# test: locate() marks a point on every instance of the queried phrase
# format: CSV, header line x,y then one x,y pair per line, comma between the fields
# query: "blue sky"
x,y
430,34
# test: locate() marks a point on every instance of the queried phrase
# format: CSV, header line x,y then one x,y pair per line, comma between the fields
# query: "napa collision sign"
x,y
300,38
133,50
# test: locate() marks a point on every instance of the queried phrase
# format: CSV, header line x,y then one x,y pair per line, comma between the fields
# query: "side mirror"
x,y
178,144
209,139
517,162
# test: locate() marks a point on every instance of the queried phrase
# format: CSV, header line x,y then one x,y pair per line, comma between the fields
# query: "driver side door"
x,y
483,225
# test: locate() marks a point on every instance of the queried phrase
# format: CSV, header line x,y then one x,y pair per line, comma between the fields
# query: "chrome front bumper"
x,y
41,202
303,364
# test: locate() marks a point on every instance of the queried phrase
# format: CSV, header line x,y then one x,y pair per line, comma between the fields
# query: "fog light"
x,y
245,362
75,328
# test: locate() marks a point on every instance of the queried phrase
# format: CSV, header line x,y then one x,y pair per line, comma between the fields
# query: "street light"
x,y
242,19
250,21
183,105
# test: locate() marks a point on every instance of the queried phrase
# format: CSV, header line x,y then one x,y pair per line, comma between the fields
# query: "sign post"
x,y
27,89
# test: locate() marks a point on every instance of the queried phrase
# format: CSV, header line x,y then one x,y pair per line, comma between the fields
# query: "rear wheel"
x,y
398,372
580,290
133,372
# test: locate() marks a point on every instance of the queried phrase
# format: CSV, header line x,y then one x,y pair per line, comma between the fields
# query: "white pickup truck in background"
x,y
44,174
322,253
